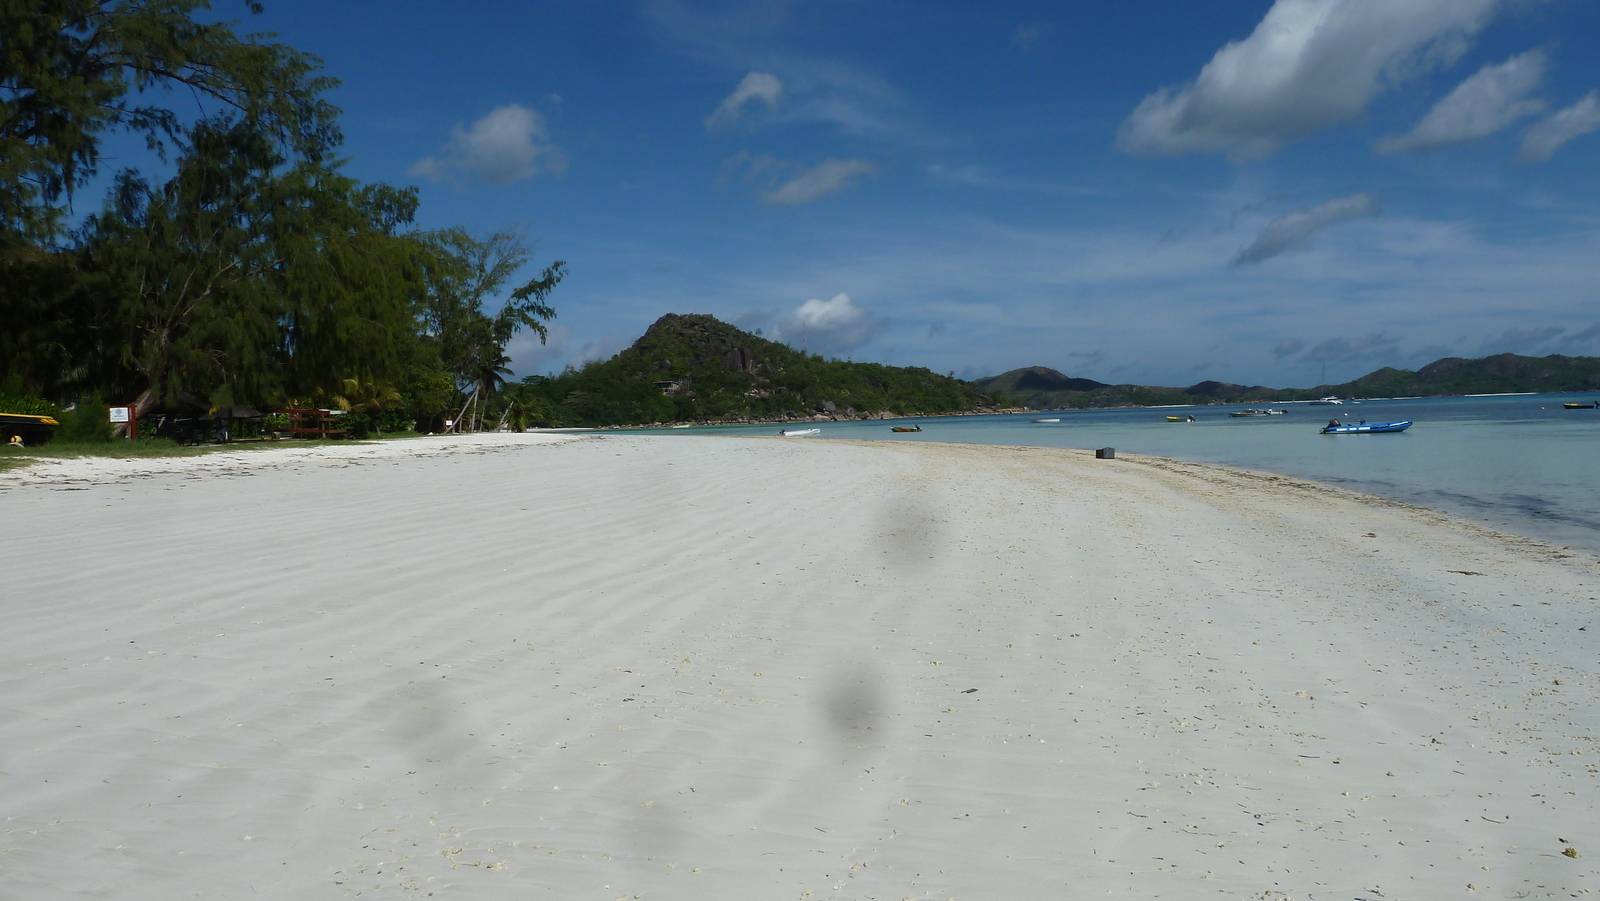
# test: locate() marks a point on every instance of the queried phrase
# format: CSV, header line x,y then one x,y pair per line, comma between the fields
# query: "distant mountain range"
x,y
1040,388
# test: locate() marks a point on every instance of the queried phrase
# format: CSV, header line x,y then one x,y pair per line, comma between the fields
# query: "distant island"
x,y
1041,388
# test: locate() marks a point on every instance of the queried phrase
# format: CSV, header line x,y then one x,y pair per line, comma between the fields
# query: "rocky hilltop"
x,y
696,368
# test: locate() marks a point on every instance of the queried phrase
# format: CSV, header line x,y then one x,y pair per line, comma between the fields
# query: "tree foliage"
x,y
465,274
240,279
253,271
73,70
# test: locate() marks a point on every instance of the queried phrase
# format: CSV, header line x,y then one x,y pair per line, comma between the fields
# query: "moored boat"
x,y
1044,420
899,428
1328,401
798,433
1363,427
1581,406
1180,419
1268,412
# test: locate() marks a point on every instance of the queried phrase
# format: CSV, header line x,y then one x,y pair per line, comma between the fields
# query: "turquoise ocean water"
x,y
1519,463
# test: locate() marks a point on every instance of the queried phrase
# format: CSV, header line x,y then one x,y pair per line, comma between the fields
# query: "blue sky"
x,y
1151,192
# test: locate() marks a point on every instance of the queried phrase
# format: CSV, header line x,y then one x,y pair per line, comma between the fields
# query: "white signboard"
x,y
120,414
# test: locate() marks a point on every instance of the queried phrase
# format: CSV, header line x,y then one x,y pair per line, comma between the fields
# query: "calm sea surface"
x,y
1519,463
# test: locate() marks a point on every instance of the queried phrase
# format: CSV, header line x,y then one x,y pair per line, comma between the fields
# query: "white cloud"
x,y
1542,140
755,86
982,177
828,326
1526,341
530,356
1309,64
1376,346
509,144
1480,106
1294,231
829,177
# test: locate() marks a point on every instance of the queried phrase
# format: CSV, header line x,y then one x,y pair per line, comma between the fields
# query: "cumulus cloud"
x,y
530,356
1294,231
1542,140
509,144
829,177
1309,64
755,86
829,326
1480,106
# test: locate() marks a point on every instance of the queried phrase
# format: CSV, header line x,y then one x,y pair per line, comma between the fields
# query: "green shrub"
x,y
357,424
89,423
27,405
394,419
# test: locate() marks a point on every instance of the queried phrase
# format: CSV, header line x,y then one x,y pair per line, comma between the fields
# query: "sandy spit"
x,y
641,667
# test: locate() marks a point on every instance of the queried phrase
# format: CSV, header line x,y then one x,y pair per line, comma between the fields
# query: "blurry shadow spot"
x,y
854,706
908,534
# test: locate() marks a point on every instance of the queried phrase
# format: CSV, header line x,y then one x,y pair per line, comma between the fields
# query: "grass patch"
x,y
13,460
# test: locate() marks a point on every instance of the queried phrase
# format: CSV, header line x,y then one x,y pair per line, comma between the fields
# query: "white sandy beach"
x,y
531,667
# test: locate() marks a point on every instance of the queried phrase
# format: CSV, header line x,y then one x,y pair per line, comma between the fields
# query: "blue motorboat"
x,y
1364,427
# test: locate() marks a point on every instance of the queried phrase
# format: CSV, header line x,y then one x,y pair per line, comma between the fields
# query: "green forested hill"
x,y
1499,374
696,368
1040,388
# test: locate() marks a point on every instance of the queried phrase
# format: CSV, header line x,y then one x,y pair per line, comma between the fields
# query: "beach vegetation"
x,y
241,267
14,399
244,277
464,333
88,423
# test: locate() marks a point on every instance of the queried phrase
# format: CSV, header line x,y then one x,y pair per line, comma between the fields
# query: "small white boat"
x,y
1044,420
798,433
1328,401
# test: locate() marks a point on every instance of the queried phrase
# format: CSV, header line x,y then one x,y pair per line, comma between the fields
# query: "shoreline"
x,y
680,666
